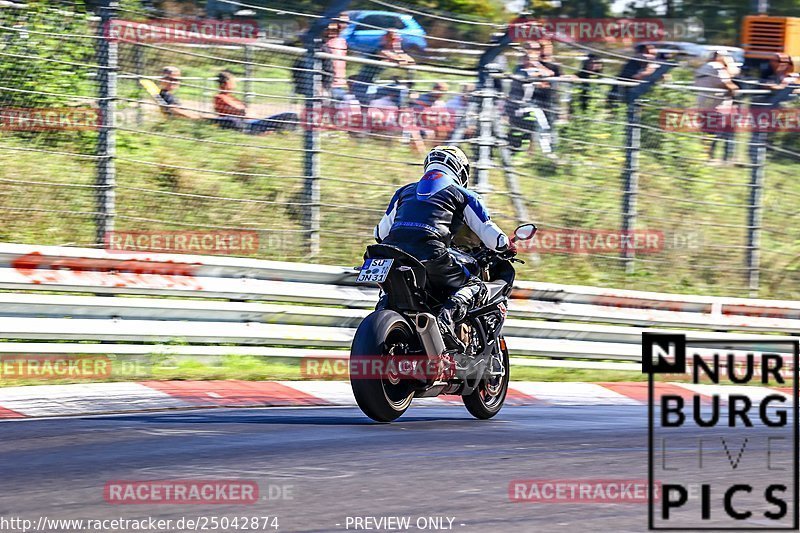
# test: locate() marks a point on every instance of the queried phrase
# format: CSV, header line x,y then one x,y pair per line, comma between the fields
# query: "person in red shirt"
x,y
232,112
226,105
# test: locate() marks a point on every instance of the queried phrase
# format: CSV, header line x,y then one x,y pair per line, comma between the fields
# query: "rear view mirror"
x,y
524,232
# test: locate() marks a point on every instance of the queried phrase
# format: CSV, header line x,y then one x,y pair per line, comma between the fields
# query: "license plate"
x,y
375,271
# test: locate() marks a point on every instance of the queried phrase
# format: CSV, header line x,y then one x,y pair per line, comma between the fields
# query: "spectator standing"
x,y
337,46
715,74
781,72
547,96
525,118
636,68
457,109
591,67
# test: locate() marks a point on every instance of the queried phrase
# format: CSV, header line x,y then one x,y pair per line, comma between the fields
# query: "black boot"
x,y
452,312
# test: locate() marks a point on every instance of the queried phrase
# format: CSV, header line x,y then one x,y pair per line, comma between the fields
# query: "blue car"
x,y
367,28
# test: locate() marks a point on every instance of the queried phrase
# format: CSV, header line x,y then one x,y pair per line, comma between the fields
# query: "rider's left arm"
x,y
385,225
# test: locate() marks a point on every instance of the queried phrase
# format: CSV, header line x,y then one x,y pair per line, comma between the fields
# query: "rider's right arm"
x,y
477,219
385,225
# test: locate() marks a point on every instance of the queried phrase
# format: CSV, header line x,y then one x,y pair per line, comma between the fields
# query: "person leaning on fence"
x,y
781,72
390,49
526,119
170,105
717,73
337,46
636,68
232,112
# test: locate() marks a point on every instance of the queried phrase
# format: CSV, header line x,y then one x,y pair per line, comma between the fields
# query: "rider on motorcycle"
x,y
422,219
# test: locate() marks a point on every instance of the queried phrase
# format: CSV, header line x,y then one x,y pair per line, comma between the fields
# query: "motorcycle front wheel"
x,y
488,397
385,334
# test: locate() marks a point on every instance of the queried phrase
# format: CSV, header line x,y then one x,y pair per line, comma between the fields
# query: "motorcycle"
x,y
399,352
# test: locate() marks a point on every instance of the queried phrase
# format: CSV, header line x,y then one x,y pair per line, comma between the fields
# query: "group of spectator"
x,y
532,107
718,75
362,95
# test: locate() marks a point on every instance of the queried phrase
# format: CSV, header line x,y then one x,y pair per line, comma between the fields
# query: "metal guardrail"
x,y
221,305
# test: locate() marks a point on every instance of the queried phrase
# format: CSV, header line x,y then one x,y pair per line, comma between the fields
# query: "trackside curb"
x,y
148,396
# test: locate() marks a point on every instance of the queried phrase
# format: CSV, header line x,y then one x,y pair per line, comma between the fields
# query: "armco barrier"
x,y
251,306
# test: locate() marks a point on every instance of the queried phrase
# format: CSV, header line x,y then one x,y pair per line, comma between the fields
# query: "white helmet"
x,y
453,158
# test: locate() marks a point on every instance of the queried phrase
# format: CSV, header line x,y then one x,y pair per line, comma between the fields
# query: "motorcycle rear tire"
x,y
377,398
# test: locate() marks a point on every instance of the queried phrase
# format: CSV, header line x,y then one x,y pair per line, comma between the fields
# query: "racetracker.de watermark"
x,y
197,31
49,118
184,242
591,241
605,30
393,368
44,367
578,490
184,491
377,119
746,120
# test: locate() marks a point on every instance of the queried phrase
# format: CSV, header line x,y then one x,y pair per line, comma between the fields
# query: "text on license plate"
x,y
375,271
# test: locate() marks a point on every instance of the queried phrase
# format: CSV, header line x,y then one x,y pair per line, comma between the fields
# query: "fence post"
x,y
311,149
758,157
630,178
248,74
758,160
633,144
500,137
485,138
138,62
106,139
496,135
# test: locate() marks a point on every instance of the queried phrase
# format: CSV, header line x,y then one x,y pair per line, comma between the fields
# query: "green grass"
x,y
181,175
174,175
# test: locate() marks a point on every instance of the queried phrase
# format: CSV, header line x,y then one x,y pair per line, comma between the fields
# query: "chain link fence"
x,y
303,146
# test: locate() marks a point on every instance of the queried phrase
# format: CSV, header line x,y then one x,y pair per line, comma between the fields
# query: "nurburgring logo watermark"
x,y
738,444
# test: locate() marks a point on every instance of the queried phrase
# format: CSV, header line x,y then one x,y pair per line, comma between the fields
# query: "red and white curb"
x,y
108,398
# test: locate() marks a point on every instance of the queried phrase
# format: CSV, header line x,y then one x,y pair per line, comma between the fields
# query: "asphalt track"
x,y
335,463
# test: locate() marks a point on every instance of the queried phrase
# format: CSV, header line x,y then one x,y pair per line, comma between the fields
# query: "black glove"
x,y
510,250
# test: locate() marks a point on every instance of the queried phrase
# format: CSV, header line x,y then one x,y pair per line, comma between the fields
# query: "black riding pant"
x,y
448,276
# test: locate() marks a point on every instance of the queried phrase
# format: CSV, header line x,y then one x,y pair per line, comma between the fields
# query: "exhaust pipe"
x,y
428,331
